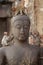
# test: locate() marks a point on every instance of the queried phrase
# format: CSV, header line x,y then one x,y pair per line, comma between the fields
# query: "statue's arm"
x,y
2,58
39,57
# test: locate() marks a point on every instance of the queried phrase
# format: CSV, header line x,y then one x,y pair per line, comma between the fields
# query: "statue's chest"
x,y
21,57
22,60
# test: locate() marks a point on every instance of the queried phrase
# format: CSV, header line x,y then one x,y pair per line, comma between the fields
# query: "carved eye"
x,y
26,27
18,27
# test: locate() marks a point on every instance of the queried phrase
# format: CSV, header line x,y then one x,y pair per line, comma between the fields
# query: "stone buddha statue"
x,y
21,53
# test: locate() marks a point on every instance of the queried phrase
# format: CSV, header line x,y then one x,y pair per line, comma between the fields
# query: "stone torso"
x,y
21,55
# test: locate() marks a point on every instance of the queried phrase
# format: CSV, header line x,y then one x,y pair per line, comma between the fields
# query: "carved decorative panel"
x,y
5,10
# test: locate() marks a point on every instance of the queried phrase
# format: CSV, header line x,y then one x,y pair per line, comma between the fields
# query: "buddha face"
x,y
21,29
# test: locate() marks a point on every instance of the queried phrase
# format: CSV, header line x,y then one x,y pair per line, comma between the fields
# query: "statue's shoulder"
x,y
2,49
9,49
34,48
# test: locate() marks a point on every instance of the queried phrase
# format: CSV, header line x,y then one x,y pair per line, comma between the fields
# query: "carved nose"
x,y
22,31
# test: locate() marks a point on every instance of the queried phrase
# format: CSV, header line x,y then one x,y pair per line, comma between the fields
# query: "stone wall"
x,y
36,15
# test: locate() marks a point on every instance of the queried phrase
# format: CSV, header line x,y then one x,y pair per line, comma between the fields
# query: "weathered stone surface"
x,y
6,0
5,10
40,18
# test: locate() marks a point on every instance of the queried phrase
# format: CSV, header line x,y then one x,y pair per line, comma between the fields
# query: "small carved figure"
x,y
5,39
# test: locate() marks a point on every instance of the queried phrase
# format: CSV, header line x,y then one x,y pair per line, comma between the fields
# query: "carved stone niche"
x,y
5,10
11,0
6,0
